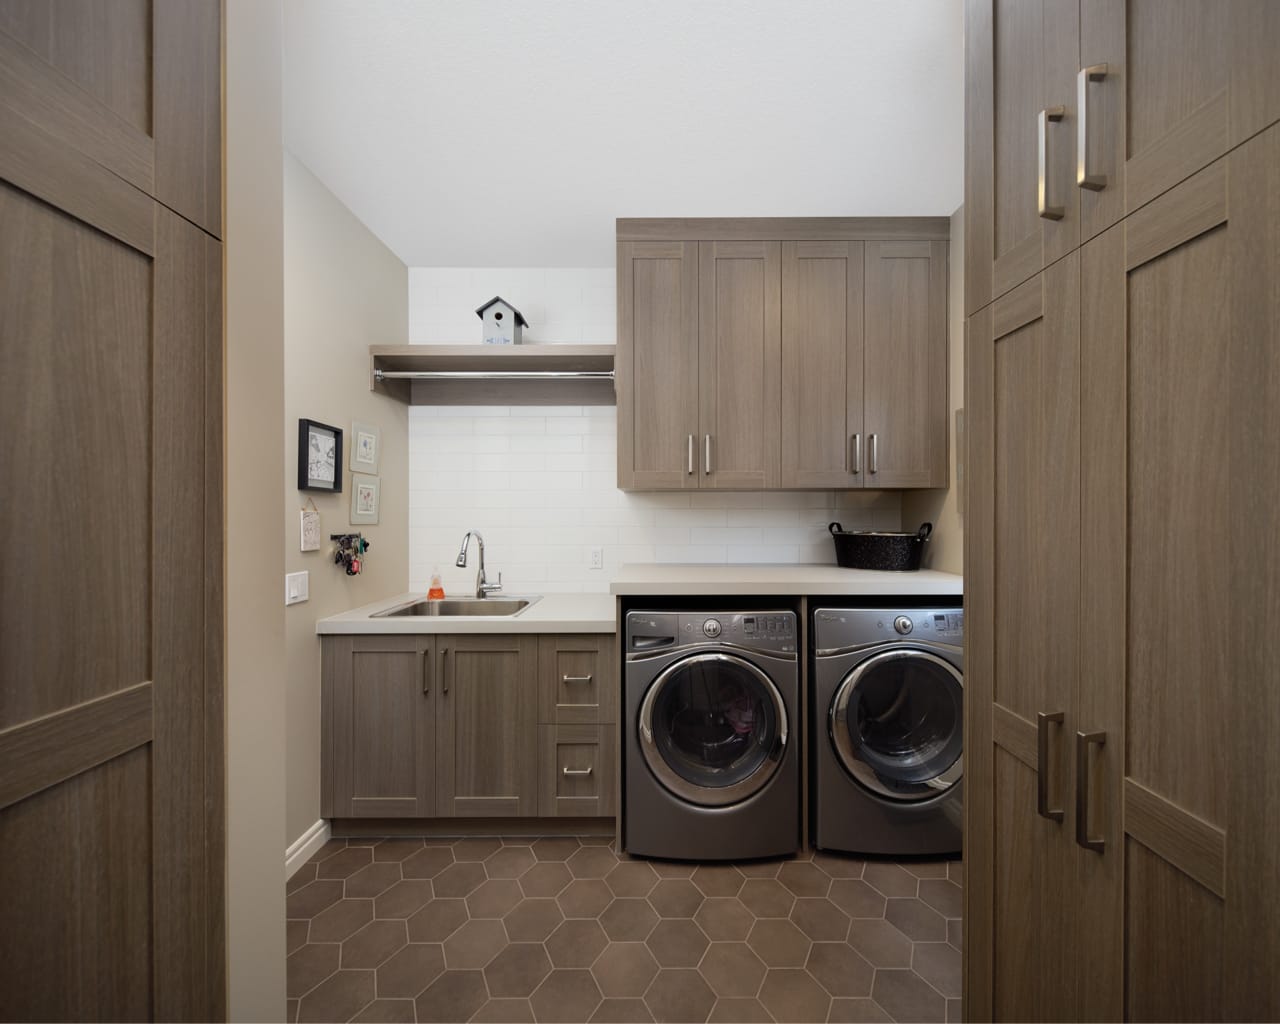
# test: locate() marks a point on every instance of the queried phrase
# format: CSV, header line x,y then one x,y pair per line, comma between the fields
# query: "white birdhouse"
x,y
502,322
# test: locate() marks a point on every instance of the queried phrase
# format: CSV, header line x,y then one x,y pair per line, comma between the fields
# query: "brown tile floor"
x,y
566,930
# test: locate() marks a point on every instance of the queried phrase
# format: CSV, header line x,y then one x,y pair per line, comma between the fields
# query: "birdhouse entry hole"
x,y
498,315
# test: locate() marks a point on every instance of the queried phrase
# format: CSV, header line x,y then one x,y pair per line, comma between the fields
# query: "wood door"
x,y
657,365
1174,85
1181,386
905,364
740,364
383,728
1021,58
488,721
577,679
1022,600
822,345
111,603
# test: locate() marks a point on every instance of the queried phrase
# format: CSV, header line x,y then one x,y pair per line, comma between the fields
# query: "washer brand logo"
x,y
828,617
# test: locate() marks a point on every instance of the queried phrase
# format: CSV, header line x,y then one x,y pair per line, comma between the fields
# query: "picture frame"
x,y
366,496
365,448
319,457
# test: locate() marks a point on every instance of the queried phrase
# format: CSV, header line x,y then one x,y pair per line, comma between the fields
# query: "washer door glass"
x,y
897,723
713,728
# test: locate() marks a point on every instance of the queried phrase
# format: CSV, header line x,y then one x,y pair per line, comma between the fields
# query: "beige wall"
x,y
942,508
254,562
343,291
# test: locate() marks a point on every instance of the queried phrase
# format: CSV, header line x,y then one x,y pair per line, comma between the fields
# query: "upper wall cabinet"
x,y
1079,113
803,353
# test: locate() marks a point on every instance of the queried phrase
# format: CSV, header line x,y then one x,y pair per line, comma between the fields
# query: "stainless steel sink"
x,y
462,607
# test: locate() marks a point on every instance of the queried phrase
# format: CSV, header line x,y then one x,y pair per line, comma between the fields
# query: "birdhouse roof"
x,y
498,298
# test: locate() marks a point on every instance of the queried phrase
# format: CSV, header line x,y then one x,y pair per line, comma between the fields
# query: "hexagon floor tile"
x,y
528,930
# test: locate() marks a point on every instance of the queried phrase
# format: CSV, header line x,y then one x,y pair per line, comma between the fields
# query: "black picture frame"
x,y
329,483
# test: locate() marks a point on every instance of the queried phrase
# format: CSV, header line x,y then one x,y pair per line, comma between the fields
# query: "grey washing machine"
x,y
888,740
711,768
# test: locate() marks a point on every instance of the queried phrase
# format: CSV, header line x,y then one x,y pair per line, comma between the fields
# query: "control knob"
x,y
711,628
902,624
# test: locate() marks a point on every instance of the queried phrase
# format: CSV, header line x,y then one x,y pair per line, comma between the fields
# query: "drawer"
x,y
577,679
577,765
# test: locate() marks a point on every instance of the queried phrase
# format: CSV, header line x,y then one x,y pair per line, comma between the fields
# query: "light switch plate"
x,y
297,587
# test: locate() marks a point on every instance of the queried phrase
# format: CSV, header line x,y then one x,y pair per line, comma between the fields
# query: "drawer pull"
x,y
576,679
577,771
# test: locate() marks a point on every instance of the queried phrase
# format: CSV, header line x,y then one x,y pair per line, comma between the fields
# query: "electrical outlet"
x,y
597,558
297,587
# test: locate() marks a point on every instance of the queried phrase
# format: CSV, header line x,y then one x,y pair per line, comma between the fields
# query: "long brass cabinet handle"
x,y
1083,741
707,453
855,460
1043,208
444,671
1096,182
690,467
1042,765
873,454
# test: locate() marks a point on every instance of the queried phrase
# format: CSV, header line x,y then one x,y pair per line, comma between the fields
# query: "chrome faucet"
x,y
483,587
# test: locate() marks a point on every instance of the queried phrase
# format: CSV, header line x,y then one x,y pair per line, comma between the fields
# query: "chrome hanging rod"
x,y
381,375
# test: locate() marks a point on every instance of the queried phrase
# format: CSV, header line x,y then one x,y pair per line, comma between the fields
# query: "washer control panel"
x,y
771,631
848,627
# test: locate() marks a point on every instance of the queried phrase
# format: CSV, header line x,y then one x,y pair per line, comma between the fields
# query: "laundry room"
x,y
768,496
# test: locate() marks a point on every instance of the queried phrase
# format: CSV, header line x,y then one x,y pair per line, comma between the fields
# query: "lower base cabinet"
x,y
468,725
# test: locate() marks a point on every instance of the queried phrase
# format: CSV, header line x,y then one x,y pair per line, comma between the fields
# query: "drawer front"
x,y
576,680
576,771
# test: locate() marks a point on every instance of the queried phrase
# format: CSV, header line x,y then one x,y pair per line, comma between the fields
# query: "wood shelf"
x,y
494,359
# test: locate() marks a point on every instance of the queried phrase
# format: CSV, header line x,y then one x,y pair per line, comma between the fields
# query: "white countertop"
x,y
553,613
714,580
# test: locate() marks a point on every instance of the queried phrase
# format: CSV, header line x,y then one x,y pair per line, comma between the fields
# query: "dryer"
x,y
888,736
711,767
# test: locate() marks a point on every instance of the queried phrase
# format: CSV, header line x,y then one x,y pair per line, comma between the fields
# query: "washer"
x,y
710,759
888,687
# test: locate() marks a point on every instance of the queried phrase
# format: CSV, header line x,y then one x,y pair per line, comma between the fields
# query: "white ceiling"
x,y
512,132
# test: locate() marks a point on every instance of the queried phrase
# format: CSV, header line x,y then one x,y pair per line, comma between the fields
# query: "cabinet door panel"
x,y
1022,57
488,723
822,351
657,365
1185,81
1023,601
740,363
905,364
576,770
384,738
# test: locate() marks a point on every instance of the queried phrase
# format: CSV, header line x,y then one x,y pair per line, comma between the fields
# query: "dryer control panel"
x,y
769,631
848,627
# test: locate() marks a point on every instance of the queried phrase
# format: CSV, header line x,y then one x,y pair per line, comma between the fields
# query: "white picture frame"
x,y
366,496
365,448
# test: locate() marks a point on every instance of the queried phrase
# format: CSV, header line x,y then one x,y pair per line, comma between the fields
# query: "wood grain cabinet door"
x,y
657,365
905,364
1166,87
1023,624
576,769
112,774
487,738
822,344
1021,201
739,366
1181,390
383,739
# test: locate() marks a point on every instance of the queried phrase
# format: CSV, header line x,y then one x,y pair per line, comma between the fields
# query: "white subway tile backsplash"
x,y
539,482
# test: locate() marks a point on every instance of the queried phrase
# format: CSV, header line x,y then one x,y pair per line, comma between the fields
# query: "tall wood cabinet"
x,y
1122,822
803,353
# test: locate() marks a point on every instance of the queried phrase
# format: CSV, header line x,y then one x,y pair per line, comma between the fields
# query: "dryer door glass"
x,y
713,729
897,724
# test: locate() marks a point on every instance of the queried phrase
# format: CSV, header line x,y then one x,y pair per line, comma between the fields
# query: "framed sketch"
x,y
319,457
365,494
366,448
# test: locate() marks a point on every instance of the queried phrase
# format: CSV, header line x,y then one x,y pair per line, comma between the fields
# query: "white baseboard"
x,y
301,849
